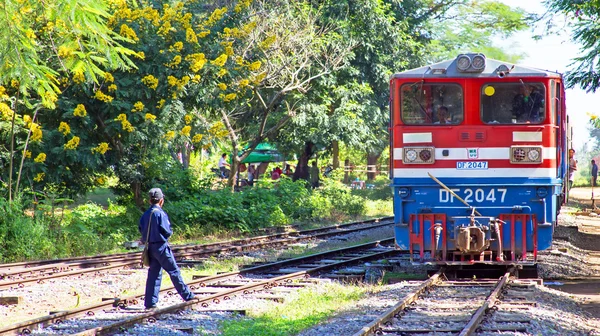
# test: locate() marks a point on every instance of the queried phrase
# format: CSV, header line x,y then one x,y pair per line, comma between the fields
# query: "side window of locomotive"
x,y
513,103
431,104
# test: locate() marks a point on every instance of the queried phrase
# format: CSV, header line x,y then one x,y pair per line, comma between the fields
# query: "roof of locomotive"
x,y
493,68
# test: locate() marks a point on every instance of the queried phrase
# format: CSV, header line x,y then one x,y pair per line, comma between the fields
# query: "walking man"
x,y
160,252
594,173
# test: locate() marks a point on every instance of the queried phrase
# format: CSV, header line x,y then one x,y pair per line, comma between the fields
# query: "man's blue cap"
x,y
156,194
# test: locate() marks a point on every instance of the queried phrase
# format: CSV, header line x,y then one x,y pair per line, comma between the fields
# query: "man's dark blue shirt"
x,y
594,170
160,226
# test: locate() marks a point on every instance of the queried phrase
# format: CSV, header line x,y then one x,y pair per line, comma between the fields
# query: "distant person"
x,y
275,174
594,173
156,228
314,175
288,170
223,166
443,116
528,104
572,167
251,175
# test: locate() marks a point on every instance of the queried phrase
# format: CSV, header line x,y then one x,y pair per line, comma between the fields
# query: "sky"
x,y
555,53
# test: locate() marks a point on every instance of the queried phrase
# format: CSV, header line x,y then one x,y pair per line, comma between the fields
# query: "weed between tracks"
x,y
307,308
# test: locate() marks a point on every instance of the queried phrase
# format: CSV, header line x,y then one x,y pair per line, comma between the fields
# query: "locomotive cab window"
x,y
432,104
513,103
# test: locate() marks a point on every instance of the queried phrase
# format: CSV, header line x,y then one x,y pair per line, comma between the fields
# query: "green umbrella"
x,y
264,152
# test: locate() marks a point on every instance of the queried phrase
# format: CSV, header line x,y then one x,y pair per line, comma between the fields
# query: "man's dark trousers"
x,y
162,257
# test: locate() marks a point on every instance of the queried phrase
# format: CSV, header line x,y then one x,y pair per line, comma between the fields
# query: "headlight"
x,y
416,155
519,154
526,154
411,155
534,154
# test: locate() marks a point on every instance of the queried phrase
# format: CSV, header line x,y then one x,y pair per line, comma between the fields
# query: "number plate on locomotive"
x,y
472,165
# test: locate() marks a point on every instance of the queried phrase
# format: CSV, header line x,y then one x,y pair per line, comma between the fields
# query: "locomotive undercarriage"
x,y
480,240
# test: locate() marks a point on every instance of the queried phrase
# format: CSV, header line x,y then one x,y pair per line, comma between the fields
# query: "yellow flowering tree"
x,y
43,44
150,110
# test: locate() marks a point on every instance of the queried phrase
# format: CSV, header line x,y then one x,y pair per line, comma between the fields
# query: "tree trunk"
x,y
138,197
335,149
346,173
233,168
372,165
302,169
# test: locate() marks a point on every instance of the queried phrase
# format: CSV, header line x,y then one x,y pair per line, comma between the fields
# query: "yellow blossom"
x,y
138,107
72,144
229,51
222,72
112,88
254,66
170,135
78,77
80,111
26,119
177,46
197,138
175,62
188,119
172,80
103,97
204,33
64,51
64,128
101,180
196,61
128,33
229,97
160,104
39,177
150,81
108,77
186,130
190,36
150,117
5,111
36,132
222,86
15,83
244,83
27,154
101,148
220,61
141,55
40,158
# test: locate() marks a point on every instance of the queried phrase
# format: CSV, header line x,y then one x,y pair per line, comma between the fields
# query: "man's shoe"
x,y
190,298
151,307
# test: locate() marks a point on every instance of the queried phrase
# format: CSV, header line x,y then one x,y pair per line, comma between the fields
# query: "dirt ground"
x,y
583,212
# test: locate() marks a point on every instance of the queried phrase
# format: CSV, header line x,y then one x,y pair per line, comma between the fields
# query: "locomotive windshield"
x,y
513,103
432,104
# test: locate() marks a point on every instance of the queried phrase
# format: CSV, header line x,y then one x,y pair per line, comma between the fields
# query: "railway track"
x,y
459,307
115,314
24,273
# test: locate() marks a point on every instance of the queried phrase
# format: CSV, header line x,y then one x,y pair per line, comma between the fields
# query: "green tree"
x,y
32,44
582,18
292,52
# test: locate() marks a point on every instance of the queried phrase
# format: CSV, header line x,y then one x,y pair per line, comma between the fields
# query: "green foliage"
x,y
582,18
381,189
341,198
311,307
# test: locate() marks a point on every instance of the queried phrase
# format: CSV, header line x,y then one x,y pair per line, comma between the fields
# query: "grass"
x,y
403,276
99,196
308,308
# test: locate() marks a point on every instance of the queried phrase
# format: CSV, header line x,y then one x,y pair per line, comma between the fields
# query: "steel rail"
x,y
133,258
28,264
26,327
408,299
476,319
